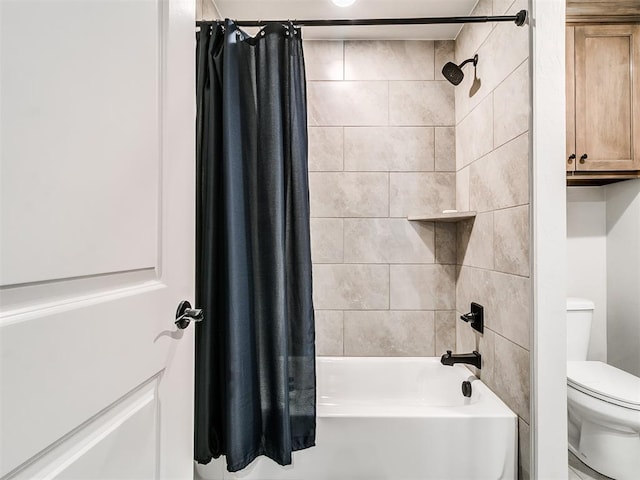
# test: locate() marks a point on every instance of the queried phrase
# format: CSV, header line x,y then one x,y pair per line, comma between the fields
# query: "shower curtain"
x,y
255,357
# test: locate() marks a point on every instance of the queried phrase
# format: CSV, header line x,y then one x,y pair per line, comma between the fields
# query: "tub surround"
x,y
381,147
388,143
492,163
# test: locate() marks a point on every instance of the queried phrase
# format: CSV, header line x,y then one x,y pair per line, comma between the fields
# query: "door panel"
x,y
607,107
103,151
97,187
120,442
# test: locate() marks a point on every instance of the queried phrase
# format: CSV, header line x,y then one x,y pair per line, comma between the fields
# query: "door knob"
x,y
185,315
583,157
571,158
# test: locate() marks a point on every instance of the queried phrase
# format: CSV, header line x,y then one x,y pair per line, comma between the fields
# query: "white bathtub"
x,y
397,419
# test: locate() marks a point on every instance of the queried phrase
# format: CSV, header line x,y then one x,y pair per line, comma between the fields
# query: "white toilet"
x,y
603,404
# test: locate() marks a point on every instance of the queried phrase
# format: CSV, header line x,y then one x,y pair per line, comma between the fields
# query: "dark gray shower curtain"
x,y
255,357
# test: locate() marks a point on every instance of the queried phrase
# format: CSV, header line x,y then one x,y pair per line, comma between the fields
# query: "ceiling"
x,y
325,9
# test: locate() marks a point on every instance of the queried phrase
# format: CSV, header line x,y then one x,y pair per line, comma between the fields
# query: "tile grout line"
x,y
493,241
526,60
494,271
343,335
344,348
526,132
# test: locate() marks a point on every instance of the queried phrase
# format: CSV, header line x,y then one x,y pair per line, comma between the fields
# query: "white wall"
x,y
587,258
623,274
603,265
548,219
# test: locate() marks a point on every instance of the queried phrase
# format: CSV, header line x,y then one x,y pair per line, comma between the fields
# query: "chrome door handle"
x,y
185,315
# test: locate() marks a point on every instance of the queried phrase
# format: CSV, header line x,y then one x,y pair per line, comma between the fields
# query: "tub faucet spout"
x,y
474,358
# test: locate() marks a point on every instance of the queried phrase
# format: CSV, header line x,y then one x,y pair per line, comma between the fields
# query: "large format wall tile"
x,y
368,150
421,103
329,332
492,108
499,61
445,150
348,103
208,11
500,6
323,60
446,243
325,149
388,240
445,331
473,34
327,240
389,333
475,242
422,287
444,52
512,375
511,106
416,193
468,340
351,287
474,134
511,240
506,300
388,60
501,178
462,189
408,149
495,62
349,194
501,53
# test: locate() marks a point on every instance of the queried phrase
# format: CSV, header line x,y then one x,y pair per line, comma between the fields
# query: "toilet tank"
x,y
579,316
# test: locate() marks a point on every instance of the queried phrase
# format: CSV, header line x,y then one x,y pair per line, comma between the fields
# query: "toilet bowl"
x,y
604,418
603,404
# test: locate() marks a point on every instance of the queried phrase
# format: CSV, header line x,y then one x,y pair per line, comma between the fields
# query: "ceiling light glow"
x,y
343,3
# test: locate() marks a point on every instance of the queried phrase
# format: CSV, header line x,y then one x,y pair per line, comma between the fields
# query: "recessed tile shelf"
x,y
442,217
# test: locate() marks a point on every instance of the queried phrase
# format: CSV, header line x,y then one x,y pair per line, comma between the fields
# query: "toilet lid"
x,y
605,382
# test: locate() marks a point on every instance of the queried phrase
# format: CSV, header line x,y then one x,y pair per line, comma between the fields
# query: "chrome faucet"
x,y
474,358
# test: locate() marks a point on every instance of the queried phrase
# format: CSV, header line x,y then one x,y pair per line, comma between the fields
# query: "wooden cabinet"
x,y
603,101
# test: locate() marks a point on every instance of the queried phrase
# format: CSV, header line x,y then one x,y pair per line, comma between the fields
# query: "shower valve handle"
x,y
583,157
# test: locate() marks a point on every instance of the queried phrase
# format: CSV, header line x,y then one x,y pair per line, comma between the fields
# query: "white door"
x,y
97,238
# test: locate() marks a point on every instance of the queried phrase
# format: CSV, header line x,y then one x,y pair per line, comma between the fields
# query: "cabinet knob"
x,y
583,157
571,158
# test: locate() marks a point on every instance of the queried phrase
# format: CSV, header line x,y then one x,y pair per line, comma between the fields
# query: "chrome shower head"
x,y
453,72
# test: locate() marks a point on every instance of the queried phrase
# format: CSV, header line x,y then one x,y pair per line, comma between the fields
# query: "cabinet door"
x,y
607,103
571,100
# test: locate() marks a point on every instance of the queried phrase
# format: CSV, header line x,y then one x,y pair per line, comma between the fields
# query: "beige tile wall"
x,y
381,146
492,162
205,10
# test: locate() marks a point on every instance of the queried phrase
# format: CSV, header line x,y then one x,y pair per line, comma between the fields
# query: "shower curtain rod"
x,y
518,19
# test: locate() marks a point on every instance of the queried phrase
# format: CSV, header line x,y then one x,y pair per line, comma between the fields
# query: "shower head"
x,y
453,72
